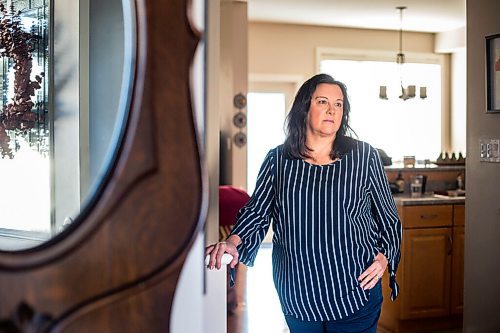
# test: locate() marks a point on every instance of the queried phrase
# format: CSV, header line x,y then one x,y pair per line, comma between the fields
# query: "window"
x,y
411,127
24,140
54,155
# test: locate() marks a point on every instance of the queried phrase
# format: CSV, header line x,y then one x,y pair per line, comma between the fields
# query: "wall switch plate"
x,y
489,150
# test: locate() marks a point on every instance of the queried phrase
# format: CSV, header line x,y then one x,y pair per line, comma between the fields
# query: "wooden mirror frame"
x,y
117,268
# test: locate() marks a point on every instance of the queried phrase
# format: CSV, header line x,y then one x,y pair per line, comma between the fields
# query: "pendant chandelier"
x,y
409,91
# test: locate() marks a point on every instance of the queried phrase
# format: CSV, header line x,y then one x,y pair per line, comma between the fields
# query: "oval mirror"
x,y
66,69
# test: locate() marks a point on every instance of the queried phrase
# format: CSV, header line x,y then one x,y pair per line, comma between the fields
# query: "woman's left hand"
x,y
372,274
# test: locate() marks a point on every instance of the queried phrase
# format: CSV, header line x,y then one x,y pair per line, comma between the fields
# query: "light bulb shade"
x,y
382,92
423,92
411,91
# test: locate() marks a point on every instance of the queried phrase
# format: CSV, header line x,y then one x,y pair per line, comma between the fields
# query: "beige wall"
x,y
454,43
482,228
289,50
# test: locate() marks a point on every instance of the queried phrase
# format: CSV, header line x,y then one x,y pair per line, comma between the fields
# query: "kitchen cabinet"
x,y
430,274
425,287
457,275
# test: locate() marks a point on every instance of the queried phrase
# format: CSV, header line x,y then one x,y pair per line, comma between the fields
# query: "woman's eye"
x,y
322,101
338,105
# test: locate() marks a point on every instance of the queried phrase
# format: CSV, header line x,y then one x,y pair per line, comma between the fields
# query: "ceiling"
x,y
420,15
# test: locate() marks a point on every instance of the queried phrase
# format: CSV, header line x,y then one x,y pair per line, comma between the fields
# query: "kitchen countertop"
x,y
422,168
427,199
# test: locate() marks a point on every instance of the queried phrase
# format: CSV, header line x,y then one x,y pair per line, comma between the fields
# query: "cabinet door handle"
x,y
428,216
450,245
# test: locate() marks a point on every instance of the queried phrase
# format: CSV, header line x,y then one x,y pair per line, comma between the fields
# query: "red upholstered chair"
x,y
231,200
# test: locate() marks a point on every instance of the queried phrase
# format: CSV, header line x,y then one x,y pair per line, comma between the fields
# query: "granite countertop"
x,y
427,199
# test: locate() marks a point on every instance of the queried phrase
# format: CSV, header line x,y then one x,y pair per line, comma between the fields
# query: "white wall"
x,y
187,308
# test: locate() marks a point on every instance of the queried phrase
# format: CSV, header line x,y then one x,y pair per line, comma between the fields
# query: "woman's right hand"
x,y
218,249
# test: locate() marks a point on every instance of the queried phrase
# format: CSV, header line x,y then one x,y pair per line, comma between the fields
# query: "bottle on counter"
x,y
461,158
460,182
440,159
400,182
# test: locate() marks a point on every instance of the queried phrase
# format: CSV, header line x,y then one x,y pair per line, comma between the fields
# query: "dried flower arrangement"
x,y
18,45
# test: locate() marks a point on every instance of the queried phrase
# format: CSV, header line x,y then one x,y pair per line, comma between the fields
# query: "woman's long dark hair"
x,y
296,121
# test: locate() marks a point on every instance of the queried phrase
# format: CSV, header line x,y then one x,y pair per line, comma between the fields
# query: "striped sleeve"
x,y
254,218
386,216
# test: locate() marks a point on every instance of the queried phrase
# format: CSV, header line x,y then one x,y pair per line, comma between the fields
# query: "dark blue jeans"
x,y
363,321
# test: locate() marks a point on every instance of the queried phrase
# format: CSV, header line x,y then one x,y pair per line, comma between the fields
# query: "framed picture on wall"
x,y
493,73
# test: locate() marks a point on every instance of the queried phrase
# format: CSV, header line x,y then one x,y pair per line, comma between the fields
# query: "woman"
x,y
336,227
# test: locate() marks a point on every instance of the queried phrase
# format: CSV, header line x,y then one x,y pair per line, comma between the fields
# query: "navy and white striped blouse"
x,y
329,223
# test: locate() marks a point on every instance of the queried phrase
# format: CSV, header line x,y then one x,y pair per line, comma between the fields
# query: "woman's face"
x,y
326,110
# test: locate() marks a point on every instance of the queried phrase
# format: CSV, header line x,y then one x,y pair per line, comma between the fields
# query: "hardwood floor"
x,y
258,309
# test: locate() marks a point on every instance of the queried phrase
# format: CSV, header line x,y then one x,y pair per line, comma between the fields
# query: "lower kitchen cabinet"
x,y
430,274
425,287
457,271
